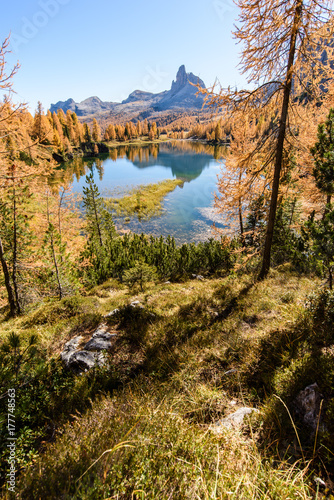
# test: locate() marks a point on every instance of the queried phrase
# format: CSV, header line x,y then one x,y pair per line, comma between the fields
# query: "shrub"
x,y
140,274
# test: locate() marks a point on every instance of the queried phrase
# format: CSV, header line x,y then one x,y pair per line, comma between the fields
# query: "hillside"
x,y
184,357
181,97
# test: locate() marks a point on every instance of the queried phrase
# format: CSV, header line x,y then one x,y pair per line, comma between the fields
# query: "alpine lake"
x,y
186,212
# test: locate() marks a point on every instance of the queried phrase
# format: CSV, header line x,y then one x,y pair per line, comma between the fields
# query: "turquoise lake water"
x,y
188,212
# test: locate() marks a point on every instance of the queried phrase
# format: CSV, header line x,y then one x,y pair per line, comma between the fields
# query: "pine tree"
x,y
154,129
53,244
70,127
128,132
145,127
56,140
321,233
96,131
87,134
151,135
77,129
100,231
95,211
139,129
218,132
62,118
140,274
15,234
323,154
42,127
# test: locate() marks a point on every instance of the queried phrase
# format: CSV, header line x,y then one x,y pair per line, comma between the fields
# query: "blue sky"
x,y
81,48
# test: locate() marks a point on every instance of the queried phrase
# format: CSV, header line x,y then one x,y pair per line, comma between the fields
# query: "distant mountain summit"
x,y
182,96
90,106
183,92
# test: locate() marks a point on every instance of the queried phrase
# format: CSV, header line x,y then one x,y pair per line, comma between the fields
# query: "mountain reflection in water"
x,y
188,210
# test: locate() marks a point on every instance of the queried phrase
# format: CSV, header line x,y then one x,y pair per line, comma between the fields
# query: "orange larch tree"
x,y
282,46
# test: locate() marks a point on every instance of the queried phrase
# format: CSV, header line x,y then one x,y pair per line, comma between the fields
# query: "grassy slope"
x,y
172,370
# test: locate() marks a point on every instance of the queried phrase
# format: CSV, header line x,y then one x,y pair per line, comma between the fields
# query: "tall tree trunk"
x,y
330,272
241,224
97,221
53,252
59,217
280,142
14,270
60,289
10,292
240,213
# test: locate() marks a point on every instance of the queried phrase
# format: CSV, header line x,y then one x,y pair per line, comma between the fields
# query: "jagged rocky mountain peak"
x,y
181,96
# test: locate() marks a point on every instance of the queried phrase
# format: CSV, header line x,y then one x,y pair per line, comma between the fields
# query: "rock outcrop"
x,y
307,405
183,92
92,353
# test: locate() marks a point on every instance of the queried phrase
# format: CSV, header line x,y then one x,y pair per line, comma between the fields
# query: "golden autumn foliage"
x,y
282,44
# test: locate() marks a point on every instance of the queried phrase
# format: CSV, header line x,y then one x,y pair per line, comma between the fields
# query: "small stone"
x,y
229,372
104,336
236,418
136,303
101,331
112,313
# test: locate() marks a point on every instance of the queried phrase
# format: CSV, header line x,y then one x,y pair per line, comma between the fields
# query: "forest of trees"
x,y
269,172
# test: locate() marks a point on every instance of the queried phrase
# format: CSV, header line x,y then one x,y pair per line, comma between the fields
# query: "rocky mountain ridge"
x,y
181,96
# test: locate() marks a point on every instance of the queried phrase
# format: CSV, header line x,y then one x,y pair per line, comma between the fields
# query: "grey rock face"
x,y
139,95
100,340
69,348
182,93
81,360
307,404
92,105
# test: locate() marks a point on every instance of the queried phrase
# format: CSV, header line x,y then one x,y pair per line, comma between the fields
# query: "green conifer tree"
x,y
15,235
100,230
323,154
